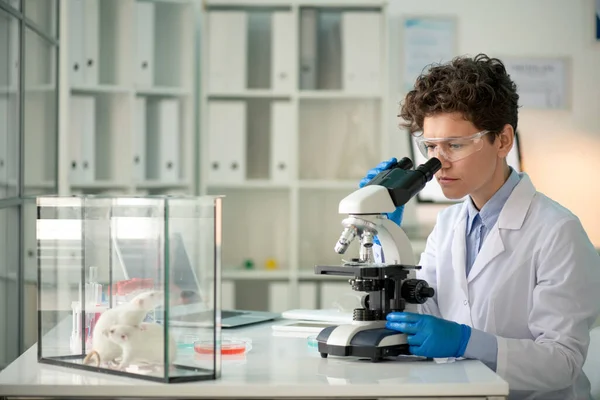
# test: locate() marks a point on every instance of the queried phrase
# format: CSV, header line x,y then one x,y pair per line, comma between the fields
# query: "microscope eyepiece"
x,y
404,163
402,183
429,169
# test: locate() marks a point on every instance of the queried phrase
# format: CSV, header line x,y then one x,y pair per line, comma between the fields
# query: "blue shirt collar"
x,y
491,210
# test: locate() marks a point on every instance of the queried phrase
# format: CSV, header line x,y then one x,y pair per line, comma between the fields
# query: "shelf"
x,y
254,274
100,184
162,91
250,184
250,94
293,116
281,3
40,89
140,89
246,4
328,184
162,185
167,1
115,89
40,185
342,3
336,94
255,227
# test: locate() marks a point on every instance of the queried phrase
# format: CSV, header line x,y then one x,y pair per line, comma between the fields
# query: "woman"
x,y
516,277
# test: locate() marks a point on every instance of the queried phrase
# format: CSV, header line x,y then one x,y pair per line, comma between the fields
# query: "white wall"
x,y
561,149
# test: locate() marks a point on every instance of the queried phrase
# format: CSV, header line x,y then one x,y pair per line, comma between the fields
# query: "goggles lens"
x,y
451,149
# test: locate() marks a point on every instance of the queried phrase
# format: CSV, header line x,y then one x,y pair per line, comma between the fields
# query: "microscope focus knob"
x,y
416,291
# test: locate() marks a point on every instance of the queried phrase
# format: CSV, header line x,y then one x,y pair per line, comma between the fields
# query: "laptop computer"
x,y
134,255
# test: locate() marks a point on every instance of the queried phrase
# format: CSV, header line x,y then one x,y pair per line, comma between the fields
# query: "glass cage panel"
x,y
129,285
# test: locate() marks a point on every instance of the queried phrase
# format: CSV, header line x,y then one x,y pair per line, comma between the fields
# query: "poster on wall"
x,y
597,19
427,40
541,82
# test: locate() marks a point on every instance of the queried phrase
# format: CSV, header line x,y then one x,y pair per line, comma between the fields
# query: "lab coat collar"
x,y
512,217
490,212
516,207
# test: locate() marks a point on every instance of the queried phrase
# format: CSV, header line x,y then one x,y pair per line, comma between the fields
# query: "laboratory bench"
x,y
277,365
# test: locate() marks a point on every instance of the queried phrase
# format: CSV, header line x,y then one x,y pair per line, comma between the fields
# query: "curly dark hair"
x,y
479,88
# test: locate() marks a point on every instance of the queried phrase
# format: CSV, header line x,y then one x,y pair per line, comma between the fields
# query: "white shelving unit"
x,y
294,111
131,96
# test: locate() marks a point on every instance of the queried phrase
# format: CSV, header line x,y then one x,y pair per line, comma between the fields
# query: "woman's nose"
x,y
440,156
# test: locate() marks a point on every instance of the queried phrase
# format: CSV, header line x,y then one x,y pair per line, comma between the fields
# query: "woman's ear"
x,y
505,140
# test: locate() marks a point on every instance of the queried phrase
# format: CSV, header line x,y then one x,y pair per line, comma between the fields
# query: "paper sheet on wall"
x,y
426,41
541,83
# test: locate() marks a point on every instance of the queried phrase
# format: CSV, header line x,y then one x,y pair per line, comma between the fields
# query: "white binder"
x,y
76,41
139,140
163,140
227,51
282,123
76,122
91,41
227,295
308,49
144,49
307,295
361,52
88,139
227,141
282,39
279,297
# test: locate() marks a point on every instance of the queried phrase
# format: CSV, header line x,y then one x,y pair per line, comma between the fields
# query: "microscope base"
x,y
376,343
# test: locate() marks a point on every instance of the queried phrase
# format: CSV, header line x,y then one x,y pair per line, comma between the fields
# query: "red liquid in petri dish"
x,y
228,347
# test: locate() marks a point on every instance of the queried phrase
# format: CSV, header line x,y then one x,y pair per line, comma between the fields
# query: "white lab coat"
x,y
535,284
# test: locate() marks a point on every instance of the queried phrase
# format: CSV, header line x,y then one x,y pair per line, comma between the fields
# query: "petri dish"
x,y
312,342
228,347
187,341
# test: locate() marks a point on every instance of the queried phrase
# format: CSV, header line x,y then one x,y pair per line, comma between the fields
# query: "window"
x,y
28,130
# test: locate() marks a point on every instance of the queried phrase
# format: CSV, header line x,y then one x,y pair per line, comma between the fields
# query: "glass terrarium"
x,y
128,285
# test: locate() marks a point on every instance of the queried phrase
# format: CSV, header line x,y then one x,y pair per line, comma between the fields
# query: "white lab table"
x,y
275,367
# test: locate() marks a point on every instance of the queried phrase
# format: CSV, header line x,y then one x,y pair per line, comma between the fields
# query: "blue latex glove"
x,y
372,173
395,216
429,336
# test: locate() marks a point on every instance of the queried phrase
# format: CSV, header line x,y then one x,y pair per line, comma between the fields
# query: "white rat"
x,y
131,313
142,344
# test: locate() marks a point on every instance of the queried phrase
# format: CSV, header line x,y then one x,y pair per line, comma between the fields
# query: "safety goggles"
x,y
451,149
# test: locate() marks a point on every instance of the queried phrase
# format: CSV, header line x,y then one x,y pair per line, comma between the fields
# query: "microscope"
x,y
387,285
